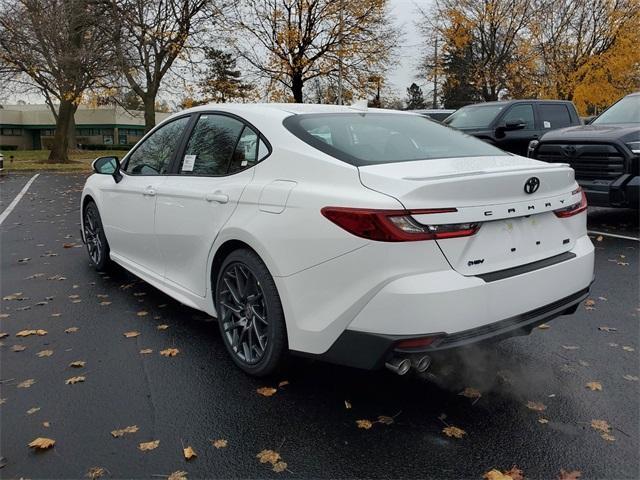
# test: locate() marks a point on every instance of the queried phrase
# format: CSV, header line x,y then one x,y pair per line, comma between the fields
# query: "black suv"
x,y
604,154
511,125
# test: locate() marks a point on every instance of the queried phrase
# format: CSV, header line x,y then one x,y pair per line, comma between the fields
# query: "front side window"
x,y
474,116
520,112
375,138
211,145
153,156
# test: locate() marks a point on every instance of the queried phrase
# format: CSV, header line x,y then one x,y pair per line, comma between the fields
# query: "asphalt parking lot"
x,y
534,410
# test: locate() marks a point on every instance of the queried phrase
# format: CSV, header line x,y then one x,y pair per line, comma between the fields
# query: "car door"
x,y
196,202
517,141
128,207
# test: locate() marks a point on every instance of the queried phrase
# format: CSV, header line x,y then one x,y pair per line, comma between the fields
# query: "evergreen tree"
x,y
222,81
415,99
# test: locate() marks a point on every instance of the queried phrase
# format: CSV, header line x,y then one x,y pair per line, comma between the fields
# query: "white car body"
x,y
167,229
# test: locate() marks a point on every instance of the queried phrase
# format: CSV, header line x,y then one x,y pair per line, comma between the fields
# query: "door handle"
x,y
216,197
149,192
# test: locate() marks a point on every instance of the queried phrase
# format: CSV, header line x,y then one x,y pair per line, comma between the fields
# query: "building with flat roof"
x,y
31,127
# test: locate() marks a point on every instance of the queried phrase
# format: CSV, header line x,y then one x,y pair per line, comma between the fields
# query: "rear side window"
x,y
554,116
154,154
520,112
211,145
375,138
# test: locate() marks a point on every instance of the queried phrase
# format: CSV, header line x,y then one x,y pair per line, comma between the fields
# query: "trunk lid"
x,y
516,227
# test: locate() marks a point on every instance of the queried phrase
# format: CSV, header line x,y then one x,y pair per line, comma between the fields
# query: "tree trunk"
x,y
296,87
59,150
149,112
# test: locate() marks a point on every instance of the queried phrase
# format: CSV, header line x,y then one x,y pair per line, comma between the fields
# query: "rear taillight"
x,y
574,209
395,225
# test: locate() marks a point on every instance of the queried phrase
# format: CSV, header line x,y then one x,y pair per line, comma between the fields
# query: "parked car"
x,y
437,114
361,237
511,125
604,154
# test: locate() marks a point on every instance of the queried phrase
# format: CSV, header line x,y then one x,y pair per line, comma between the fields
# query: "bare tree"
x,y
59,47
290,42
149,36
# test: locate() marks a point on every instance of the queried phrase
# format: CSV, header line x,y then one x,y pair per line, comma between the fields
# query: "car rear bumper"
x,y
461,310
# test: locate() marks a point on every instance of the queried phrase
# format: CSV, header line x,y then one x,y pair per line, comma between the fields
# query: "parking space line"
x,y
605,234
7,211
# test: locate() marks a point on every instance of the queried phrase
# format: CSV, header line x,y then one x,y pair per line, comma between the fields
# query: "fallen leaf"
x,y
104,303
600,425
266,391
178,475
77,364
74,380
189,453
68,245
146,446
46,424
570,347
71,330
283,383
544,326
631,378
26,333
162,327
536,406
18,348
452,431
607,329
121,432
3,334
95,472
593,386
608,437
42,443
572,475
347,404
613,344
472,393
385,420
627,348
544,421
142,313
169,352
220,443
515,473
44,353
268,456
364,424
32,410
280,467
26,383
145,351
590,302
132,334
599,238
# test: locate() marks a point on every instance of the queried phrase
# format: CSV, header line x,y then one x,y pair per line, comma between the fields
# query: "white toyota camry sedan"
x,y
361,237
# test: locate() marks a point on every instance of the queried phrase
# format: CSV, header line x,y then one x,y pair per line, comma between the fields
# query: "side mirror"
x,y
108,166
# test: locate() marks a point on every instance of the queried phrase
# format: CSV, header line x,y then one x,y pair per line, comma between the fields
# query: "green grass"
x,y
80,160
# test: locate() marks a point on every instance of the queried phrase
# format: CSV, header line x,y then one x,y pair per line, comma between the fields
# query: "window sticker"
x,y
547,124
188,163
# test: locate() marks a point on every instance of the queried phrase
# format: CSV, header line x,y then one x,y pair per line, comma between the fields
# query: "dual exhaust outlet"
x,y
401,365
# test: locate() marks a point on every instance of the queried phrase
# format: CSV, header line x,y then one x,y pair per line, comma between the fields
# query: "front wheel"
x,y
97,246
250,314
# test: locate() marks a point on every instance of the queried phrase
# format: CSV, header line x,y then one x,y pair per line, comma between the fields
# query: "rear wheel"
x,y
250,313
97,245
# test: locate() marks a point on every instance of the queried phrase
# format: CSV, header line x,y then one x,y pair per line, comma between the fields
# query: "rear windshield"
x,y
474,116
626,110
374,138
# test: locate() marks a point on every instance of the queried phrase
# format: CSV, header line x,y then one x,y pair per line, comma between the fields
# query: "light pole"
x,y
340,6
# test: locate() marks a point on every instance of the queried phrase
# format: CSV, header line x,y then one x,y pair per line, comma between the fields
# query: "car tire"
x,y
95,239
250,315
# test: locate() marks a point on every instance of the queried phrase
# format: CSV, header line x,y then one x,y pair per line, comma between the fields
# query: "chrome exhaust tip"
x,y
399,366
421,364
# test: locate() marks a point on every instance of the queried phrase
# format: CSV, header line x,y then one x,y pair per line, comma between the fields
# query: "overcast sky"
x,y
401,76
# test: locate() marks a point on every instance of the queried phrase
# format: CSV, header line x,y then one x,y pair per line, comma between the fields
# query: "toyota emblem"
x,y
532,185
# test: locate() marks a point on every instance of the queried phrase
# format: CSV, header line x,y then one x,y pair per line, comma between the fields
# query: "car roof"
x,y
509,102
285,109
